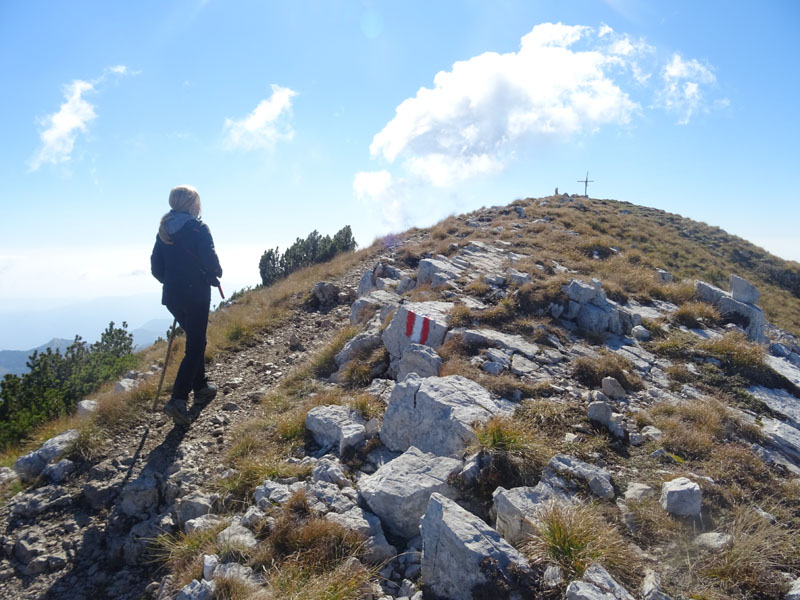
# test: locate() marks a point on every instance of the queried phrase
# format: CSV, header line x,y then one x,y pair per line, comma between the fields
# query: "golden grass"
x,y
518,455
696,314
590,370
575,536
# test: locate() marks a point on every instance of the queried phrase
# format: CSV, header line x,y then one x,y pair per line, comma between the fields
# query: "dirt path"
x,y
77,546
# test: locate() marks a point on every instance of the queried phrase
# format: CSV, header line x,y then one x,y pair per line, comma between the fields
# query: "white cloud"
x,y
266,125
682,92
562,83
480,111
61,129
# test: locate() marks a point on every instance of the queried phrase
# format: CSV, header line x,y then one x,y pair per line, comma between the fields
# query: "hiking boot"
x,y
176,408
205,395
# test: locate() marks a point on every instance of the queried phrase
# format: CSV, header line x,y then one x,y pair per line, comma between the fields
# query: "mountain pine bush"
x,y
314,249
56,382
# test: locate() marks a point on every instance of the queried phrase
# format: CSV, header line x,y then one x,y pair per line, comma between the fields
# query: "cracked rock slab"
x,y
437,414
454,544
398,492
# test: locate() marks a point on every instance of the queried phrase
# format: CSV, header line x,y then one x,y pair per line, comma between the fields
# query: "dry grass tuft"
x,y
696,314
752,566
590,370
518,456
575,536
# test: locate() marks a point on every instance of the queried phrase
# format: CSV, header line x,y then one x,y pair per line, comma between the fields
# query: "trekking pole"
x,y
166,362
219,287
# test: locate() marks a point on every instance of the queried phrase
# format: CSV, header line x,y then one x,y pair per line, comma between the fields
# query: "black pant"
x,y
192,315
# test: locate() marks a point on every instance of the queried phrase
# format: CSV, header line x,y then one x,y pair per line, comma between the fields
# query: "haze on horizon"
x,y
290,117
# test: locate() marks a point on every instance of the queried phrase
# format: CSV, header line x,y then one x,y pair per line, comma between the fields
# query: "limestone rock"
x,y
236,536
419,359
377,549
192,506
597,584
489,338
210,562
197,590
681,496
330,470
380,301
417,323
58,472
437,414
518,509
140,496
398,492
613,388
714,540
429,268
640,333
337,426
202,523
637,491
602,413
454,544
598,479
794,592
31,465
742,290
86,407
651,586
325,293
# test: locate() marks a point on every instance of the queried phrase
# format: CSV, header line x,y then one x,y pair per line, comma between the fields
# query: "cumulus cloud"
x,y
266,125
482,109
61,129
683,84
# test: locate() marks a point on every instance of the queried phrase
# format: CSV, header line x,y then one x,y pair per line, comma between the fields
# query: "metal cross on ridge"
x,y
586,183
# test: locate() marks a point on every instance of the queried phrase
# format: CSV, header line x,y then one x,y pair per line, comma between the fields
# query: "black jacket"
x,y
188,267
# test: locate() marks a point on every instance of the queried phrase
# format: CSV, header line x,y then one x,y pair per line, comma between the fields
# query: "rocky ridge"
x,y
414,497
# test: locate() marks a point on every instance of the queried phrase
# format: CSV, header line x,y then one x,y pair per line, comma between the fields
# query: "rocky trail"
x,y
515,396
64,540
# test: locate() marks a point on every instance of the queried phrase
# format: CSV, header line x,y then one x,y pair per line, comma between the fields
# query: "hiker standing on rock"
x,y
185,261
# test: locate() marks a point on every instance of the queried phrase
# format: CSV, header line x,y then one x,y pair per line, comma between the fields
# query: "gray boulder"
x,y
192,506
598,479
681,496
398,492
601,413
756,320
140,496
794,592
325,293
517,510
651,586
489,338
86,407
417,323
708,293
380,302
613,388
454,545
330,470
430,268
437,414
125,385
197,590
742,290
597,584
377,549
361,344
31,465
236,536
337,426
419,359
58,472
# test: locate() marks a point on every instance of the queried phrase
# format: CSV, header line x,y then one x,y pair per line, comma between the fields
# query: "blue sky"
x,y
293,116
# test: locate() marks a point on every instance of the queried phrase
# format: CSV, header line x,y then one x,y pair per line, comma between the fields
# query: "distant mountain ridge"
x,y
15,361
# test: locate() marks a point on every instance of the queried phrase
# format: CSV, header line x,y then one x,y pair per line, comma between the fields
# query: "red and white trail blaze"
x,y
417,328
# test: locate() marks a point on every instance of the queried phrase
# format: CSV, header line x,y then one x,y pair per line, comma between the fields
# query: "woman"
x,y
185,261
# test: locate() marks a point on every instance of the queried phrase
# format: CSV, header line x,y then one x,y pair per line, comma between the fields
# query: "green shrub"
x,y
56,382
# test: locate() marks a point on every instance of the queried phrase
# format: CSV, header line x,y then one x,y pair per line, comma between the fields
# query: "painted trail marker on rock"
x,y
417,328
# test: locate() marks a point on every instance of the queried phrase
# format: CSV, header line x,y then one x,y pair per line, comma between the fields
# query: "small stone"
x,y
682,497
553,576
637,491
231,406
714,540
640,333
210,562
652,433
613,388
